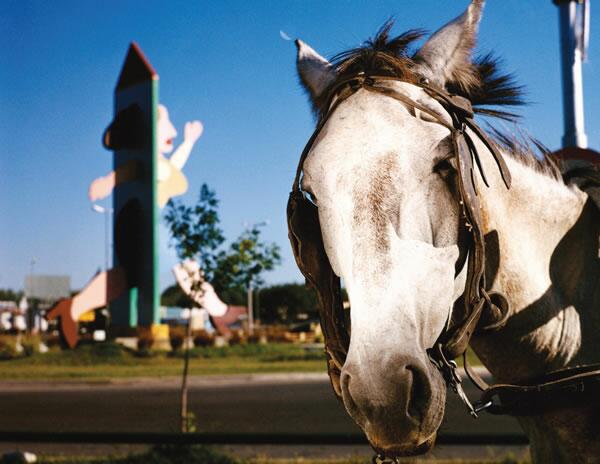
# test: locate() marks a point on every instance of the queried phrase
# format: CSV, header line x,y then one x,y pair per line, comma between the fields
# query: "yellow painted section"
x,y
89,316
160,331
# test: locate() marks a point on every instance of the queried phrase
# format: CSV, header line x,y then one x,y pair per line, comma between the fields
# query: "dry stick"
x,y
184,383
186,363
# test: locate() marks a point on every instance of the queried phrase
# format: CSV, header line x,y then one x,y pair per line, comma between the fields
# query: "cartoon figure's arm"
x,y
192,132
103,186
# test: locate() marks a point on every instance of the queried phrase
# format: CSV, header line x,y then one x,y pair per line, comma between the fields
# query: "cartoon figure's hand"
x,y
192,131
101,188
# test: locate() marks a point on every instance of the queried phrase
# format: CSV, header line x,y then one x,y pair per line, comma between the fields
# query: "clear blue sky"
x,y
225,64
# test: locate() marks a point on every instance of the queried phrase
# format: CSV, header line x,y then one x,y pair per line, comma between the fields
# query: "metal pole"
x,y
571,54
106,239
105,211
32,310
250,310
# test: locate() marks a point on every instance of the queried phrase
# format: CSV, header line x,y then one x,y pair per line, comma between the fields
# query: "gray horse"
x,y
383,175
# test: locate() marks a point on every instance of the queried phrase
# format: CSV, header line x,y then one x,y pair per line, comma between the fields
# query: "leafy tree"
x,y
283,303
246,260
173,296
7,294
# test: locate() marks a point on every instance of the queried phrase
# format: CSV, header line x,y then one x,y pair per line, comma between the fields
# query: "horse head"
x,y
382,174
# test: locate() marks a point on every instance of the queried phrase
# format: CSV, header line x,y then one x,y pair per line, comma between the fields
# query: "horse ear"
x,y
315,72
446,56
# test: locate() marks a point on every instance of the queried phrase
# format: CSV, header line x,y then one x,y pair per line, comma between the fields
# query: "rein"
x,y
476,311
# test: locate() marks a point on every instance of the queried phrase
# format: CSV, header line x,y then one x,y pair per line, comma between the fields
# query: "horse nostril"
x,y
419,392
349,402
345,383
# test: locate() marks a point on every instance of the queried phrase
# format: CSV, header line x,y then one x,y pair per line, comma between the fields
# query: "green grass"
x,y
106,361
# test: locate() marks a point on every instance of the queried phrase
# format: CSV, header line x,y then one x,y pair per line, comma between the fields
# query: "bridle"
x,y
477,310
475,300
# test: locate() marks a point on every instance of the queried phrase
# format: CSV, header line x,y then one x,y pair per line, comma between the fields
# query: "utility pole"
x,y
250,310
106,212
574,16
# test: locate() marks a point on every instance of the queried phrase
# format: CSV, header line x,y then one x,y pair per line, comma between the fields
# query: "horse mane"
x,y
489,89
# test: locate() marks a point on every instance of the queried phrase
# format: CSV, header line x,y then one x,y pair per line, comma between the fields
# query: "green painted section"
x,y
133,306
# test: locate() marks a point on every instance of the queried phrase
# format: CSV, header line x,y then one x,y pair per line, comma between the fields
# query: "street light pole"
x,y
574,32
106,212
250,310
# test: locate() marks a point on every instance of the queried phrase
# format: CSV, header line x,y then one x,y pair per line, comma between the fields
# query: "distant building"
x,y
42,291
47,288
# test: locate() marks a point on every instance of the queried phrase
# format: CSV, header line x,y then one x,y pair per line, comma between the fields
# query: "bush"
x,y
106,351
177,337
144,343
52,340
31,344
278,334
7,348
203,339
255,338
237,338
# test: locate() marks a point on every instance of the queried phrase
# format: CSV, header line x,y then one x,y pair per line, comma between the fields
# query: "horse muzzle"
x,y
400,408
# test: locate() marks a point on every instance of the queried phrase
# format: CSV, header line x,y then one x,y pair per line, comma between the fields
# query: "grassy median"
x,y
108,360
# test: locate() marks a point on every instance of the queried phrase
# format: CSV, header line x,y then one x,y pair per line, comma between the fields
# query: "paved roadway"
x,y
271,403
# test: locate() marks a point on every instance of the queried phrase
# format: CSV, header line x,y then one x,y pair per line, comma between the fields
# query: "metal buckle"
x,y
482,406
452,377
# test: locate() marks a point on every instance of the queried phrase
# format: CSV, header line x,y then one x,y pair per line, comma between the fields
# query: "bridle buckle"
x,y
449,371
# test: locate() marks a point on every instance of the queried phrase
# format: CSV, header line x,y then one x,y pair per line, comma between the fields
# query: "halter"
x,y
476,310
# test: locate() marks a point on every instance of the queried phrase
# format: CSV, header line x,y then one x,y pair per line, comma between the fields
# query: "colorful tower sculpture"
x,y
132,137
143,180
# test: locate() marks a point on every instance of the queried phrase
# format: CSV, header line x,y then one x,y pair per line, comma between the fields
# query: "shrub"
x,y
177,337
7,348
278,334
203,339
254,338
237,338
144,344
52,340
176,342
106,351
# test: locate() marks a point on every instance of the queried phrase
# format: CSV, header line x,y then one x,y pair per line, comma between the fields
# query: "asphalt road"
x,y
273,403
243,404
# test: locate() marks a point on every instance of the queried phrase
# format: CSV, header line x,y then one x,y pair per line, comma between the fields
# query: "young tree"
x,y
194,234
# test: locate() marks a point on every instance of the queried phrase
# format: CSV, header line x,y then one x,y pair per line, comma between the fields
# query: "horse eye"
x,y
310,197
444,168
